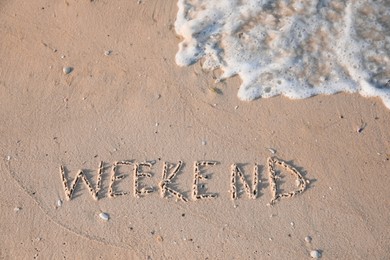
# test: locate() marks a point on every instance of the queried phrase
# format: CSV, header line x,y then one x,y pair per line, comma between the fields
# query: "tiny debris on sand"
x,y
363,125
159,239
17,209
273,151
308,239
315,254
104,216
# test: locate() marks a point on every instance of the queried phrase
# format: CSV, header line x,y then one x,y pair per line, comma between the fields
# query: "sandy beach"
x,y
124,102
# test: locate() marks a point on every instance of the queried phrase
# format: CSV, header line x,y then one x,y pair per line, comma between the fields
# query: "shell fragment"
x,y
104,216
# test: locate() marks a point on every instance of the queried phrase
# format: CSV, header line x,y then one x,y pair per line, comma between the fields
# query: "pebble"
x,y
159,239
104,216
16,209
315,254
67,70
107,53
204,142
8,158
308,239
59,203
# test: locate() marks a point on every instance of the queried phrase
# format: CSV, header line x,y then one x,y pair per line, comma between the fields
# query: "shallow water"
x,y
297,48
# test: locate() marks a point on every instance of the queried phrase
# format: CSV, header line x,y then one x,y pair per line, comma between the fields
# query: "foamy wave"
x,y
297,48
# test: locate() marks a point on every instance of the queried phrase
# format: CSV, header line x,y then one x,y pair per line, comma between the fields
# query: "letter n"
x,y
251,192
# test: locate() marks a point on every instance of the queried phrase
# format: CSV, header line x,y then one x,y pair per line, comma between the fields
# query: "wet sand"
x,y
133,103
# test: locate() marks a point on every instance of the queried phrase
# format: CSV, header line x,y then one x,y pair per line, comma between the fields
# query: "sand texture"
x,y
126,103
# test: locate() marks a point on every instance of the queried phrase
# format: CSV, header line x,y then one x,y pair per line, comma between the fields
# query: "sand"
x,y
135,104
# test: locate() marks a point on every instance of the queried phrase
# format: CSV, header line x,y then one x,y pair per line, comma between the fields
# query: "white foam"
x,y
297,48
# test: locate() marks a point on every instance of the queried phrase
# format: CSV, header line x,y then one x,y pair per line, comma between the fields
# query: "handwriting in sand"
x,y
141,170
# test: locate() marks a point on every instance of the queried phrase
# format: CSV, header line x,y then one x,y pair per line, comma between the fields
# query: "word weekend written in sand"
x,y
169,172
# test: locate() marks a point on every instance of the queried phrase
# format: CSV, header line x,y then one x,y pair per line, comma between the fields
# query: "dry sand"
x,y
136,104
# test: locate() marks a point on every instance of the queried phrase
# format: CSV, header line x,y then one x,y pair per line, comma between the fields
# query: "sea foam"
x,y
297,48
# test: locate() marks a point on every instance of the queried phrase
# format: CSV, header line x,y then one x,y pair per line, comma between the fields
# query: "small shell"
x,y
308,239
315,254
67,70
104,216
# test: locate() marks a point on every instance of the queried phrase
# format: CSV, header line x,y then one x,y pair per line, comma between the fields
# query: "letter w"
x,y
81,176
